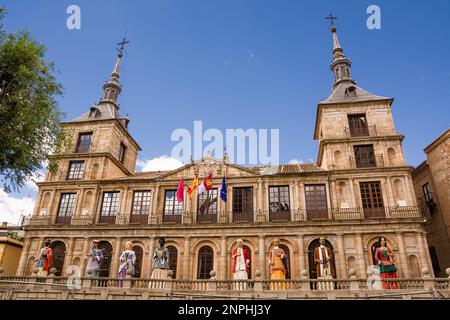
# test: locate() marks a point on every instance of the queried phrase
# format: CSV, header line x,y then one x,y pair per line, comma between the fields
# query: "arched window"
x,y
59,253
138,265
391,156
173,259
205,262
286,261
107,249
312,266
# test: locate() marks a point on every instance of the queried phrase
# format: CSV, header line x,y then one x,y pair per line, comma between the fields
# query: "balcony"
x,y
280,216
404,212
243,216
172,218
370,162
370,131
317,214
67,220
139,219
206,217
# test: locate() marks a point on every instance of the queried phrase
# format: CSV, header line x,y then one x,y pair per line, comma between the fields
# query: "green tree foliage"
x,y
30,119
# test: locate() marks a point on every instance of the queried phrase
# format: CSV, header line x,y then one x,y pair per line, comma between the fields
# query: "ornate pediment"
x,y
205,166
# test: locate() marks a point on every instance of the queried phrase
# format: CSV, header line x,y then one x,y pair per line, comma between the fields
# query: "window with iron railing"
x,y
110,207
141,207
279,203
358,125
316,202
173,209
372,200
243,204
66,208
76,169
207,206
365,156
84,142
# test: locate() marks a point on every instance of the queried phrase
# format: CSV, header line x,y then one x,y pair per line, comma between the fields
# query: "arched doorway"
x,y
205,262
286,260
173,259
138,264
250,266
312,266
59,253
107,249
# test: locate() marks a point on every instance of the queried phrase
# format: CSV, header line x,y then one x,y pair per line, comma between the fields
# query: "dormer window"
x,y
122,150
94,113
350,91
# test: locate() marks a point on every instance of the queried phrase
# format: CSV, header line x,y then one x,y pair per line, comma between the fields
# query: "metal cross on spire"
x,y
122,44
331,18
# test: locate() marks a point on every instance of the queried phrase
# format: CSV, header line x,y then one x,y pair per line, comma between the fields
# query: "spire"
x,y
340,64
112,87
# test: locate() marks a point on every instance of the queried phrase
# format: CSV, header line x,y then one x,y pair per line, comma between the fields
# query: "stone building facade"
x,y
359,189
432,186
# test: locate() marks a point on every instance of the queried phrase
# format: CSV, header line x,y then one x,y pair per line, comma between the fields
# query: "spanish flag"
x,y
192,187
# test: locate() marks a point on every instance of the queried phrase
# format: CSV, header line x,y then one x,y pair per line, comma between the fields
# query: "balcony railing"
x,y
63,220
370,131
226,217
371,162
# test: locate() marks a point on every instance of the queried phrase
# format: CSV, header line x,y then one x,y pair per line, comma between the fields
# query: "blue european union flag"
x,y
223,191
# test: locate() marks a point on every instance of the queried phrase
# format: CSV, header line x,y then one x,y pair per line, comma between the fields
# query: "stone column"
x,y
333,194
151,248
292,199
50,212
80,202
361,257
117,250
262,256
424,258
69,255
83,261
301,255
222,268
260,195
412,201
302,198
403,263
391,193
352,193
24,257
186,258
341,258
155,200
296,196
327,187
229,203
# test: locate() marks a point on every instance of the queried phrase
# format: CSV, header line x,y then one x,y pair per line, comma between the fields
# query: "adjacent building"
x,y
359,189
11,243
432,186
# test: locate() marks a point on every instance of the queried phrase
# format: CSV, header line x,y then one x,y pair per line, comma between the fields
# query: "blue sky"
x,y
255,63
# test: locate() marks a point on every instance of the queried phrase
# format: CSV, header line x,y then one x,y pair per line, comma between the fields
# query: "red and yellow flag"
x,y
192,187
208,182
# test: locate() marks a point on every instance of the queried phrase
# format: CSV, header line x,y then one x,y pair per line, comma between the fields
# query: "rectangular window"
x,y
141,207
110,207
122,150
243,204
427,193
76,169
358,125
279,205
372,200
316,202
365,156
66,208
173,209
84,142
207,207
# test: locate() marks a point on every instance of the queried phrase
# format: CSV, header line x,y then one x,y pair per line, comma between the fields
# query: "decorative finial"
x,y
332,18
122,45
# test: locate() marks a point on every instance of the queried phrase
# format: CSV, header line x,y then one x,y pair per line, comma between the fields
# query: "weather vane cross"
x,y
331,18
122,44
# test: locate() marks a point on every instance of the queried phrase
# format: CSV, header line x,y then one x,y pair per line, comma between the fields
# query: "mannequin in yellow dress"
x,y
276,266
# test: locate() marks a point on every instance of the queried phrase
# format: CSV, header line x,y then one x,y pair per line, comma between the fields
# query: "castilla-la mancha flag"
x,y
206,184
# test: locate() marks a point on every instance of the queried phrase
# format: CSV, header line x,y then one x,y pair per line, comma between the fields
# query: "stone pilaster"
x,y
301,254
342,267
361,257
24,257
261,256
403,263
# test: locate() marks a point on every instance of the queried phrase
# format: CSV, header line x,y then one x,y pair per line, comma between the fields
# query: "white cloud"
x,y
162,163
12,208
295,161
37,177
